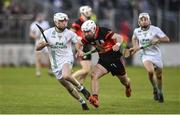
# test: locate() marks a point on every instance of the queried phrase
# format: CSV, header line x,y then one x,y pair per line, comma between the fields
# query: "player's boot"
x,y
161,98
50,73
85,107
86,93
155,93
93,99
128,91
38,73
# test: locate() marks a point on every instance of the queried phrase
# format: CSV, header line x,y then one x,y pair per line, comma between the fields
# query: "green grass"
x,y
21,92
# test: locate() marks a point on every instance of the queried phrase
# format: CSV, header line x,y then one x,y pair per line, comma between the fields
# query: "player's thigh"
x,y
66,70
148,65
38,55
98,71
86,64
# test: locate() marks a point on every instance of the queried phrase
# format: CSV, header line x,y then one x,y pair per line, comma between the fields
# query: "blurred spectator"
x,y
18,9
85,2
60,5
124,32
1,6
57,6
174,5
6,6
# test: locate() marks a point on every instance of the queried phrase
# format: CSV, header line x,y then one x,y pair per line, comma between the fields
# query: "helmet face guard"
x,y
86,11
89,29
89,25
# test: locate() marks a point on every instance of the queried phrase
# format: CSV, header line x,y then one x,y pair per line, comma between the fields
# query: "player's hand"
x,y
155,41
116,47
133,50
41,45
80,53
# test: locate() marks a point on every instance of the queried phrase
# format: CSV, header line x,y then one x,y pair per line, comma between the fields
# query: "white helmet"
x,y
144,15
60,16
89,25
85,10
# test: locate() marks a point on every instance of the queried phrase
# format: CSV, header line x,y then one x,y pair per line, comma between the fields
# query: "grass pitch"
x,y
21,93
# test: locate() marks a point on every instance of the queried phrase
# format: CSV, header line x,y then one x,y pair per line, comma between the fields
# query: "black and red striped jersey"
x,y
102,40
77,26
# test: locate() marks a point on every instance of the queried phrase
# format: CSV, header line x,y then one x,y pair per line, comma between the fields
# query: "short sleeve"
x,y
160,33
46,25
135,33
74,38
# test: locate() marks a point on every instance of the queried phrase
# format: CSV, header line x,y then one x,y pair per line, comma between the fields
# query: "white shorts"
x,y
156,60
58,71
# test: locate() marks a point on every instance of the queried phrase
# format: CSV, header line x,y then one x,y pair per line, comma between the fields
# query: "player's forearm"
x,y
134,42
164,40
41,45
32,36
78,47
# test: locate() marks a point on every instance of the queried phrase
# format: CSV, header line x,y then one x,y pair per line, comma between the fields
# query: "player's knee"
x,y
159,72
159,77
85,72
63,82
67,77
94,76
150,71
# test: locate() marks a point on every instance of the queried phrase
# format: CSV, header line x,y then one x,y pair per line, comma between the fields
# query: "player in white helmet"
x,y
150,56
40,56
86,11
59,43
85,62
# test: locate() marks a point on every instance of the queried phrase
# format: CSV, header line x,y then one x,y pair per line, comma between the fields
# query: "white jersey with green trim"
x,y
60,46
144,38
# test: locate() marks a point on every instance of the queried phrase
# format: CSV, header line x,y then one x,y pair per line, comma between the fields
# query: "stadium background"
x,y
21,92
16,48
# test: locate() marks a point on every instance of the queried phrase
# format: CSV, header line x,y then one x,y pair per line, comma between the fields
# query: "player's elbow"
x,y
38,48
167,39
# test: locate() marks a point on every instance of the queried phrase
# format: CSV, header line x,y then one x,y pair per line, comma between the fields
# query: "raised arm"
x,y
158,40
79,47
135,45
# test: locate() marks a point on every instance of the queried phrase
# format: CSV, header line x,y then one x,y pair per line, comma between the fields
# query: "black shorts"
x,y
87,48
112,62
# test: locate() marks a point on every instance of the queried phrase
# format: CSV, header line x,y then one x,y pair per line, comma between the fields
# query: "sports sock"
x,y
96,96
81,100
80,87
